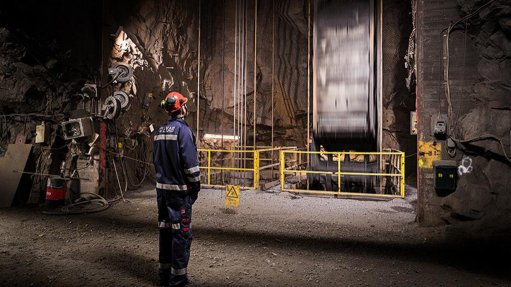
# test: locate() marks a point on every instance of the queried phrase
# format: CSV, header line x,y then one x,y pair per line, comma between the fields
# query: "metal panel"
x,y
15,159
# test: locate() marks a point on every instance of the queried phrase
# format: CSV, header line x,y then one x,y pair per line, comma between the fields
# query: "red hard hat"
x,y
173,102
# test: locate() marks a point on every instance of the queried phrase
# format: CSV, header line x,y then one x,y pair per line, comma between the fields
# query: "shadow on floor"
x,y
490,258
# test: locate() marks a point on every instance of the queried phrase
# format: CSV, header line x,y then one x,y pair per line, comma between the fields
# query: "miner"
x,y
177,186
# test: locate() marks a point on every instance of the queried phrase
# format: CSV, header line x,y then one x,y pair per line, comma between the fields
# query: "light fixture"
x,y
225,137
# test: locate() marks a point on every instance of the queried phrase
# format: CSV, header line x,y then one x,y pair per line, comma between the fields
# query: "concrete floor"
x,y
271,239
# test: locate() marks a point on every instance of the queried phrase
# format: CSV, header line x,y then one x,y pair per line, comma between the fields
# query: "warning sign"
x,y
428,153
232,196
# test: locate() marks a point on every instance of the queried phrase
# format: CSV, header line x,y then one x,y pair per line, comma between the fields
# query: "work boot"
x,y
178,280
164,275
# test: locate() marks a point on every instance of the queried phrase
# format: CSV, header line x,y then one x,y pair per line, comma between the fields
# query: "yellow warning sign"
x,y
428,153
232,196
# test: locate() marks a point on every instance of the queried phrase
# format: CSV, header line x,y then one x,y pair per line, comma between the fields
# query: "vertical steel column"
x,y
255,73
272,79
234,87
243,78
272,71
224,6
379,71
198,78
307,143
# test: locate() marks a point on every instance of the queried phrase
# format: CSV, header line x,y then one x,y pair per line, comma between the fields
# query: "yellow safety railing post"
x,y
256,169
209,167
281,159
402,185
339,172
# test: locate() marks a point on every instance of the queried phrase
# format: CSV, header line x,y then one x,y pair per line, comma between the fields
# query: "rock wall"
x,y
47,56
166,38
483,197
167,32
47,52
479,84
398,100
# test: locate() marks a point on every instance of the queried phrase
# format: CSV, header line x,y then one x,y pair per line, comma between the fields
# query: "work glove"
x,y
193,190
194,194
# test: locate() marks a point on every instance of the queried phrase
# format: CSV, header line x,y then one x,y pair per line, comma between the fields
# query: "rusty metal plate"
x,y
15,159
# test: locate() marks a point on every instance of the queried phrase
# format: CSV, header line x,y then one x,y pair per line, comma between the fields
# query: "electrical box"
x,y
413,123
41,133
445,176
77,128
439,126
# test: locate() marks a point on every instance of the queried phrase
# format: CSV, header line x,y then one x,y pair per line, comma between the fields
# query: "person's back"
x,y
177,186
175,156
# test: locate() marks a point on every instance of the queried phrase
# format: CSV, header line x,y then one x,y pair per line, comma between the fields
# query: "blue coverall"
x,y
177,184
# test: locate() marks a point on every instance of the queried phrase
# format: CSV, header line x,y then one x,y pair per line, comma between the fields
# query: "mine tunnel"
x,y
318,143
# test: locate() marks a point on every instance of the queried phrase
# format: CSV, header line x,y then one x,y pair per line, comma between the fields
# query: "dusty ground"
x,y
273,239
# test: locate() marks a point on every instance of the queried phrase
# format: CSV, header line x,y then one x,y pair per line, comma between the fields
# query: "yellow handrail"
x,y
255,157
290,170
209,168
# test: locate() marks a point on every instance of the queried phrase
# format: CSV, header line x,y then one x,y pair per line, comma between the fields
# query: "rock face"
x,y
479,84
43,65
398,100
484,196
165,48
45,60
166,36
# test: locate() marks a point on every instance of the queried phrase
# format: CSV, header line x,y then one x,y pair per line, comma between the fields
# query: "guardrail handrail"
x,y
253,156
339,173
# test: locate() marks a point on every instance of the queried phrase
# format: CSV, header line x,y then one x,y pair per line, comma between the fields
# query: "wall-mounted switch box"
x,y
439,125
77,128
42,133
445,176
413,123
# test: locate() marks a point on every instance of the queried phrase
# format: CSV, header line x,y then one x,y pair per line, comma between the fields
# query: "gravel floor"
x,y
271,239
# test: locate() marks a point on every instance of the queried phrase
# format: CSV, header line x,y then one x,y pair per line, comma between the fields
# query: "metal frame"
x,y
255,169
209,167
340,173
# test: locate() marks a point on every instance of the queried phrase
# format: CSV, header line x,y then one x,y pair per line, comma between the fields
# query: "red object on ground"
x,y
55,193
